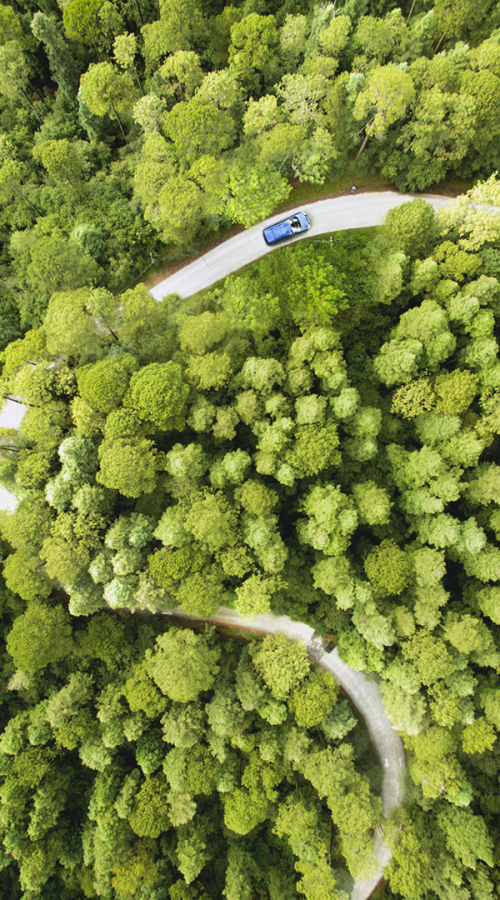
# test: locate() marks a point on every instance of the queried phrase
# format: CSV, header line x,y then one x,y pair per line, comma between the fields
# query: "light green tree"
x,y
61,160
282,663
158,394
254,193
108,92
183,665
388,568
385,98
40,636
197,127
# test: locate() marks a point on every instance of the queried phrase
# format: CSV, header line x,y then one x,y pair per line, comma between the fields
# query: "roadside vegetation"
x,y
132,132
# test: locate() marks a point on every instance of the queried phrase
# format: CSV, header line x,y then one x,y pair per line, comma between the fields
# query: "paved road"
x,y
338,214
365,696
10,417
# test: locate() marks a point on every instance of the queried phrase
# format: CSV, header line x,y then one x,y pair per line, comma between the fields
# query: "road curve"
x,y
364,694
337,214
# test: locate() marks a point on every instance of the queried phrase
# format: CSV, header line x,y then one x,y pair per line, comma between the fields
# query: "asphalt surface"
x,y
10,417
337,214
365,696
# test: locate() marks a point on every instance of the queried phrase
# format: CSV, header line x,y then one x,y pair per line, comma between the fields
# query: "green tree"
x,y
292,37
158,394
149,817
411,227
149,113
178,211
331,520
104,384
373,503
64,67
472,215
334,37
201,594
106,91
314,699
315,449
14,80
61,161
141,693
254,193
409,867
253,41
388,568
254,595
92,22
180,24
182,74
138,869
183,665
282,663
24,575
40,636
212,521
125,48
197,127
128,467
244,810
478,736
384,99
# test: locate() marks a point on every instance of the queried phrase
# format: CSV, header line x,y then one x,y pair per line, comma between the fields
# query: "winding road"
x,y
337,214
364,695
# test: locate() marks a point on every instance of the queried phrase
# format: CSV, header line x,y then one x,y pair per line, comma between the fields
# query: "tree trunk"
x,y
440,41
27,201
21,402
138,81
411,11
36,91
139,10
31,104
119,121
363,145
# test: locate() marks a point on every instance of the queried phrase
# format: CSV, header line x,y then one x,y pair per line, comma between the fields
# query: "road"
x,y
10,417
337,214
364,694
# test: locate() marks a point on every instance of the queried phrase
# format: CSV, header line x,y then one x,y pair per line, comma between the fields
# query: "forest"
x,y
316,436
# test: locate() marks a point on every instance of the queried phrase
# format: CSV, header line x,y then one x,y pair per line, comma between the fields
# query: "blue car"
x,y
287,228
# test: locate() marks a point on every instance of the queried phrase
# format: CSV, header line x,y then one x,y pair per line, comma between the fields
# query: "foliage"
x,y
316,437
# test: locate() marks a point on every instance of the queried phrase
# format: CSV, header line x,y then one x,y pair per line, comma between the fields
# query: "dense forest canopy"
x,y
131,130
316,436
147,761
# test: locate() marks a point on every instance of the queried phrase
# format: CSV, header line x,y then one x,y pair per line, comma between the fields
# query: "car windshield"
x,y
295,224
